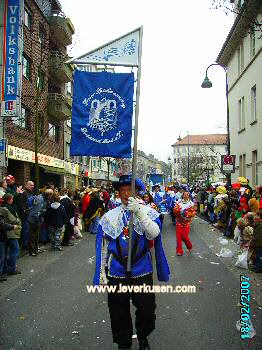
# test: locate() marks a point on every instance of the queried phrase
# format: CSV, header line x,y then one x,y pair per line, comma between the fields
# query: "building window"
x,y
22,122
244,166
241,113
255,171
240,165
42,36
26,67
240,58
254,103
68,88
53,132
67,150
41,81
27,18
100,163
240,3
252,43
94,163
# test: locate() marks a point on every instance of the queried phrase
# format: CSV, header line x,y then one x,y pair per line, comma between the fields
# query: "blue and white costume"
x,y
112,246
111,266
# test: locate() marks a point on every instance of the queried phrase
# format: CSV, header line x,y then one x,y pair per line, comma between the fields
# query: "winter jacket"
x,y
12,190
11,218
69,207
22,203
4,228
56,215
37,206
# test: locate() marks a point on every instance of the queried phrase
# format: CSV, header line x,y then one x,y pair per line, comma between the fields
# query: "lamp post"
x,y
208,84
188,154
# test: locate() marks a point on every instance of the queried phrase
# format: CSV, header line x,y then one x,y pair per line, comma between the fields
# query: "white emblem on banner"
x,y
103,111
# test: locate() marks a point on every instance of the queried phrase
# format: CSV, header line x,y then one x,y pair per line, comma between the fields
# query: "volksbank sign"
x,y
11,56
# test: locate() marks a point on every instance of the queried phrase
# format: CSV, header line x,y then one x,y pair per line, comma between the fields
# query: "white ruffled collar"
x,y
112,221
185,205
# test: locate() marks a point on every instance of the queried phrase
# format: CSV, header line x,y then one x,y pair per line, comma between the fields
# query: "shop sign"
x,y
11,56
26,155
71,168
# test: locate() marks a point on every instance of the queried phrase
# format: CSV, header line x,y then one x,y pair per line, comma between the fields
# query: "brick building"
x,y
44,99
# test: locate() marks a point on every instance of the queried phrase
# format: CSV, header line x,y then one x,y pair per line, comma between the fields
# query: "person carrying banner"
x,y
111,265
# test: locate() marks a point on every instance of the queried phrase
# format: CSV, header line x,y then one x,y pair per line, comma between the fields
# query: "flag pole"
x,y
134,160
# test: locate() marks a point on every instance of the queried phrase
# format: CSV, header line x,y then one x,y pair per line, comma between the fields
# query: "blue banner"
x,y
102,114
11,57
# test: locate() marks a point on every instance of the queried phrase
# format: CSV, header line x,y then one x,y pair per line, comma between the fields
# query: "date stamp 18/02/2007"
x,y
245,321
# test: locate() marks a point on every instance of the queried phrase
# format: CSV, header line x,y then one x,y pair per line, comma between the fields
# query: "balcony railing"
x,y
59,106
62,29
62,72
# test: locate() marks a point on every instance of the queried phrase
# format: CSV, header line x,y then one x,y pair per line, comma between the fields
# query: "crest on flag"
x,y
102,114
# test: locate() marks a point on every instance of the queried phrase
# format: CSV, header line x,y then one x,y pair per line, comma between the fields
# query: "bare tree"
x,y
198,163
248,9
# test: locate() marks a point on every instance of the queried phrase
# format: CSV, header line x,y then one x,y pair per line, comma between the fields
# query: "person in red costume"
x,y
184,212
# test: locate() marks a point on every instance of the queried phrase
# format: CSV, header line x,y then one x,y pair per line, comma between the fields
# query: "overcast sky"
x,y
180,39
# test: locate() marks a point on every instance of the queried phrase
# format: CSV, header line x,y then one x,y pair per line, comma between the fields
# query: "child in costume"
x,y
184,212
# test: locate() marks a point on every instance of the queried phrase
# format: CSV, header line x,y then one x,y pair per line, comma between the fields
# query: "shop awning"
x,y
52,170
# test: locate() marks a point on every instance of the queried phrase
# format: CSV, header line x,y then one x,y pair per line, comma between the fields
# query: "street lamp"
x,y
208,84
188,155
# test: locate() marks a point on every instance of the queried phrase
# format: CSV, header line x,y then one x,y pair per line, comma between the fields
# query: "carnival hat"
x,y
221,190
156,185
236,186
242,180
10,177
126,180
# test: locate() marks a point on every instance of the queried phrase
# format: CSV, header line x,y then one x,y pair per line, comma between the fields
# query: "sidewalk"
x,y
32,267
211,236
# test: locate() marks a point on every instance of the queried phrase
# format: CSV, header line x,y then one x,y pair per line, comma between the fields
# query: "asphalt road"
x,y
48,307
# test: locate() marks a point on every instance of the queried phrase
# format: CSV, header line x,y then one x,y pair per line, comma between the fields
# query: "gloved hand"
x,y
140,211
133,205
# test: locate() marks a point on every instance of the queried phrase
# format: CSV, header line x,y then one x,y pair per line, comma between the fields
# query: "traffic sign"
x,y
228,163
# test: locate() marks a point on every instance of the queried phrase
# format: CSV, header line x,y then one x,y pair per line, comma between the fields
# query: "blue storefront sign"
x,y
3,159
11,57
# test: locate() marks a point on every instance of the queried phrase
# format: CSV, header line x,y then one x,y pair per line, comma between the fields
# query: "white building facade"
x,y
204,153
242,55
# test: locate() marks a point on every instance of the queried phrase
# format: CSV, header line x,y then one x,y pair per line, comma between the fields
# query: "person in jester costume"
x,y
111,264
